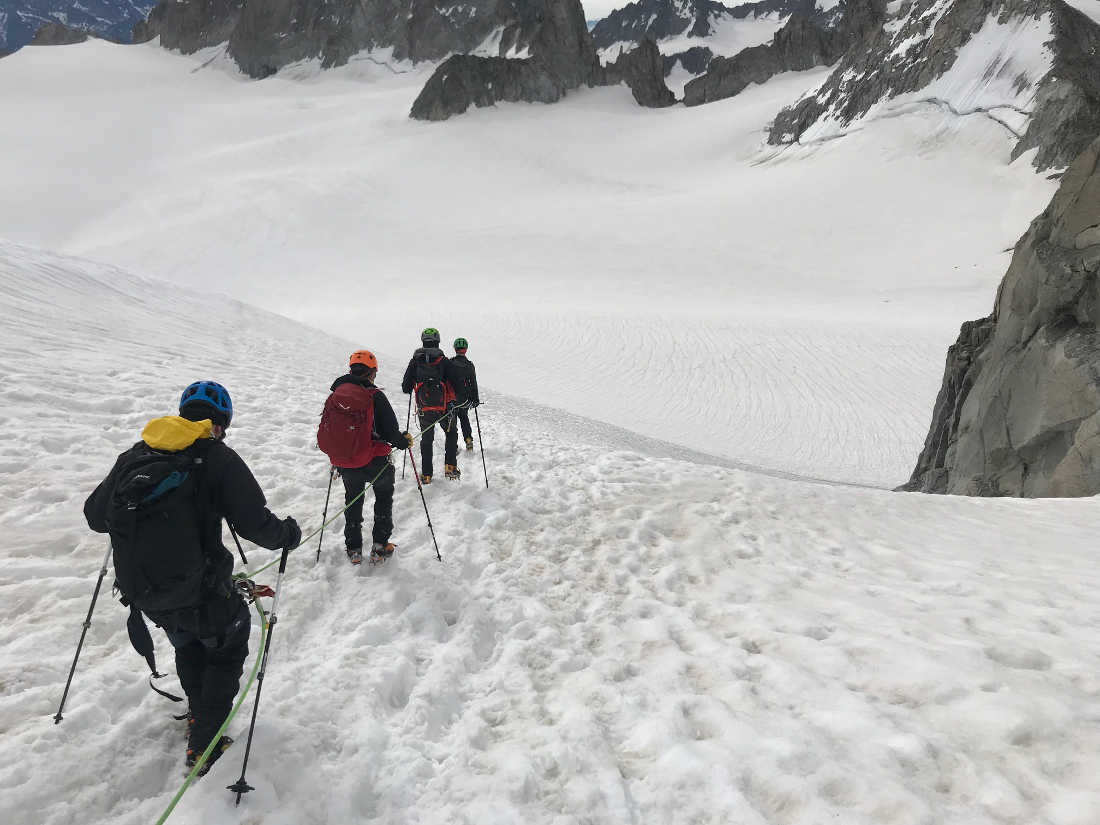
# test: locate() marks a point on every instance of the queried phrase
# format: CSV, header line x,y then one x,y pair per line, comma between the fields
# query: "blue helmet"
x,y
210,393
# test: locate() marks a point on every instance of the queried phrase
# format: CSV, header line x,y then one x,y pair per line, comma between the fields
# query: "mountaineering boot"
x,y
380,552
469,444
355,555
425,479
215,755
451,471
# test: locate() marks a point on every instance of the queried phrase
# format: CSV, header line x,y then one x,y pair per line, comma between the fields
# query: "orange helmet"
x,y
364,357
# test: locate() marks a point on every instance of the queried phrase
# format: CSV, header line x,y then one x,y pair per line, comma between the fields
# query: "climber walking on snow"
x,y
428,378
464,383
358,428
163,505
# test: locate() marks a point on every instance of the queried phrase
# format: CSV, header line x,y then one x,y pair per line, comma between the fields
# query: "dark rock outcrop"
x,y
643,70
562,57
694,60
266,35
57,34
923,44
190,25
1019,410
464,80
660,19
801,44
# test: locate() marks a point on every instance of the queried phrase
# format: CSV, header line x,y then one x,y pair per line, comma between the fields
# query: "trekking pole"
x,y
408,421
324,518
420,487
240,549
481,446
87,623
241,787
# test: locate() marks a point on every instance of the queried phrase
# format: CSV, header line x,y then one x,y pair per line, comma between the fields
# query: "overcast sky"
x,y
597,9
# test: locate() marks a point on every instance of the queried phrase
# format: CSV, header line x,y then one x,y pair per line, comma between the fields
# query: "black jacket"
x,y
385,420
464,380
226,489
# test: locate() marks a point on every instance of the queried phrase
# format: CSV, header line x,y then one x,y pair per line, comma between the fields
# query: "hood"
x,y
173,433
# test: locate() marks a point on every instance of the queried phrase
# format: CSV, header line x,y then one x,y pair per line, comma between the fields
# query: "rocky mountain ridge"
x,y
1030,64
1019,409
661,19
803,42
110,19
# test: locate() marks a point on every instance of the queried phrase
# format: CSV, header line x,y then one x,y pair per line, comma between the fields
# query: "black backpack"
x,y
431,394
156,530
463,379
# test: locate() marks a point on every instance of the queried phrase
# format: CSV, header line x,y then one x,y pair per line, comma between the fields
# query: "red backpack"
x,y
346,432
432,390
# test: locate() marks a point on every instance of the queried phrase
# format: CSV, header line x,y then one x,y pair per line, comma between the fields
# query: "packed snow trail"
x,y
613,636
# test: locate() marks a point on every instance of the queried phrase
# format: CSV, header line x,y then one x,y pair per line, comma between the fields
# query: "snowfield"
x,y
678,601
614,635
663,271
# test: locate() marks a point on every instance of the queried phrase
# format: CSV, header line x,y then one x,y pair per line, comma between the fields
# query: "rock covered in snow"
x,y
801,44
661,19
1030,64
643,70
561,57
1019,409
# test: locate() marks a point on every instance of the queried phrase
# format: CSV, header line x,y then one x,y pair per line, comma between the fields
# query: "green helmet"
x,y
430,334
461,343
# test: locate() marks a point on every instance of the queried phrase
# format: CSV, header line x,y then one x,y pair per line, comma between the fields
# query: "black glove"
x,y
450,407
292,533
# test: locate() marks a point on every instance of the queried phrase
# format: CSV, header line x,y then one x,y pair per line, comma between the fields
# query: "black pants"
x,y
427,441
464,420
210,672
355,481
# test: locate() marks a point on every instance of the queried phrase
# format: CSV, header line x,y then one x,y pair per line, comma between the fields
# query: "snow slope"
x,y
614,635
656,270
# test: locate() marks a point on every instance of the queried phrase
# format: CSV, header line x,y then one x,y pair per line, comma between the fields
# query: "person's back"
x,y
426,379
210,629
373,465
463,377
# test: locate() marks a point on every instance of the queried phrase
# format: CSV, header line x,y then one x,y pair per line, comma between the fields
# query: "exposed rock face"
x,y
1067,102
266,35
801,44
56,34
969,57
190,25
562,58
1019,410
658,19
694,60
20,20
464,80
643,70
